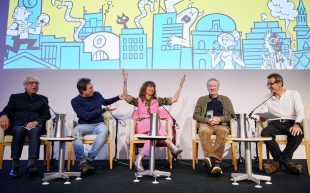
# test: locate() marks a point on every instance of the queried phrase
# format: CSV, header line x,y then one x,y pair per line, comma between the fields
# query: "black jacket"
x,y
23,108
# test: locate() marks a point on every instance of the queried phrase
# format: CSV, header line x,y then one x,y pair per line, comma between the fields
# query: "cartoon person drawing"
x,y
20,29
226,41
275,59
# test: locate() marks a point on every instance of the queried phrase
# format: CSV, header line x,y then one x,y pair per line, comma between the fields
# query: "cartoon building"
x,y
303,39
253,44
94,23
205,35
133,50
164,55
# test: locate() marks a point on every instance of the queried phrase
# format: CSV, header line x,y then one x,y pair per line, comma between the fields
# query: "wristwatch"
x,y
297,123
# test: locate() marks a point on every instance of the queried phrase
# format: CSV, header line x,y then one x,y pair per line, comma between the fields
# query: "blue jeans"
x,y
99,129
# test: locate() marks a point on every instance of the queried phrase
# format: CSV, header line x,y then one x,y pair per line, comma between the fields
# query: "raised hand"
x,y
125,74
182,80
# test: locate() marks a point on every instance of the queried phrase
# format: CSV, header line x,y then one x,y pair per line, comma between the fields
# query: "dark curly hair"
x,y
142,92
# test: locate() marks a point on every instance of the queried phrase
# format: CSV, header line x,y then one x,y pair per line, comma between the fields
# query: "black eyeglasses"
x,y
269,84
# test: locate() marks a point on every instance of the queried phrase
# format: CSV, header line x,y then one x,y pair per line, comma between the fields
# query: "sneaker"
x,y
138,163
216,169
15,173
207,162
175,150
86,168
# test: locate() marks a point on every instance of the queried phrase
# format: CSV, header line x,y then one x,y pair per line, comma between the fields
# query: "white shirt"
x,y
289,106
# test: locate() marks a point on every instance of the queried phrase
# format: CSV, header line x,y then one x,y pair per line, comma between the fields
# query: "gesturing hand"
x,y
109,108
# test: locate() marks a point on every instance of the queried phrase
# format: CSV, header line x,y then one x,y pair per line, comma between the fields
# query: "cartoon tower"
x,y
164,55
302,29
94,23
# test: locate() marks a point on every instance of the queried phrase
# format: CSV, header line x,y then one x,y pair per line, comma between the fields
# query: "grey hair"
x,y
30,77
213,79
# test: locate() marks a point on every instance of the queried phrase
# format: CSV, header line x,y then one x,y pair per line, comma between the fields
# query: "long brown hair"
x,y
142,92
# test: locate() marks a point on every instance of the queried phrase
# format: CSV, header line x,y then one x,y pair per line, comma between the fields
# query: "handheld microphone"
x,y
250,115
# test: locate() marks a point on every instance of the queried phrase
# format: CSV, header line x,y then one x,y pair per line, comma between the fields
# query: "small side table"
x,y
248,163
151,171
61,161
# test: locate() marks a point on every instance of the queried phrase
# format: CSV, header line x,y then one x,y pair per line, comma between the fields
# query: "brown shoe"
x,y
86,168
294,168
271,168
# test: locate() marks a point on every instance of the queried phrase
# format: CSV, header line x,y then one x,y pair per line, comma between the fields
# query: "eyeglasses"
x,y
269,84
33,83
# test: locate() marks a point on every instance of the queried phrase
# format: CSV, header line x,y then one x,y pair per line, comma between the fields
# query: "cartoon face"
x,y
273,42
188,16
21,13
226,40
102,45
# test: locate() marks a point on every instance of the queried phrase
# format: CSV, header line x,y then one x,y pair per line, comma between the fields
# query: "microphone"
x,y
232,115
250,115
173,119
44,101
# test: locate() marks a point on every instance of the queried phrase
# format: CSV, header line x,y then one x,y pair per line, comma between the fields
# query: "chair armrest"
x,y
132,129
72,125
2,135
233,128
260,126
306,123
107,116
111,127
48,126
194,129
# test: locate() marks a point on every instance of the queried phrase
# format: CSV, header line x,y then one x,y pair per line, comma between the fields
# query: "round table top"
x,y
251,139
150,137
58,138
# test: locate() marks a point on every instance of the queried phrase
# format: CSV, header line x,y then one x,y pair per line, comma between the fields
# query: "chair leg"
x,y
194,154
131,154
69,156
2,147
169,156
197,145
268,155
260,155
110,154
307,149
48,156
234,155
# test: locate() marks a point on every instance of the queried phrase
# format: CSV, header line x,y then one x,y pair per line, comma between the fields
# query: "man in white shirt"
x,y
288,106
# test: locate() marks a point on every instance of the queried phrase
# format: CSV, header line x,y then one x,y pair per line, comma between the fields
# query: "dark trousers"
x,y
278,128
19,134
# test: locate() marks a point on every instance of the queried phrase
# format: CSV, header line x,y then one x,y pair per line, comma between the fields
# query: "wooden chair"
x,y
282,140
89,139
196,141
135,142
6,140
